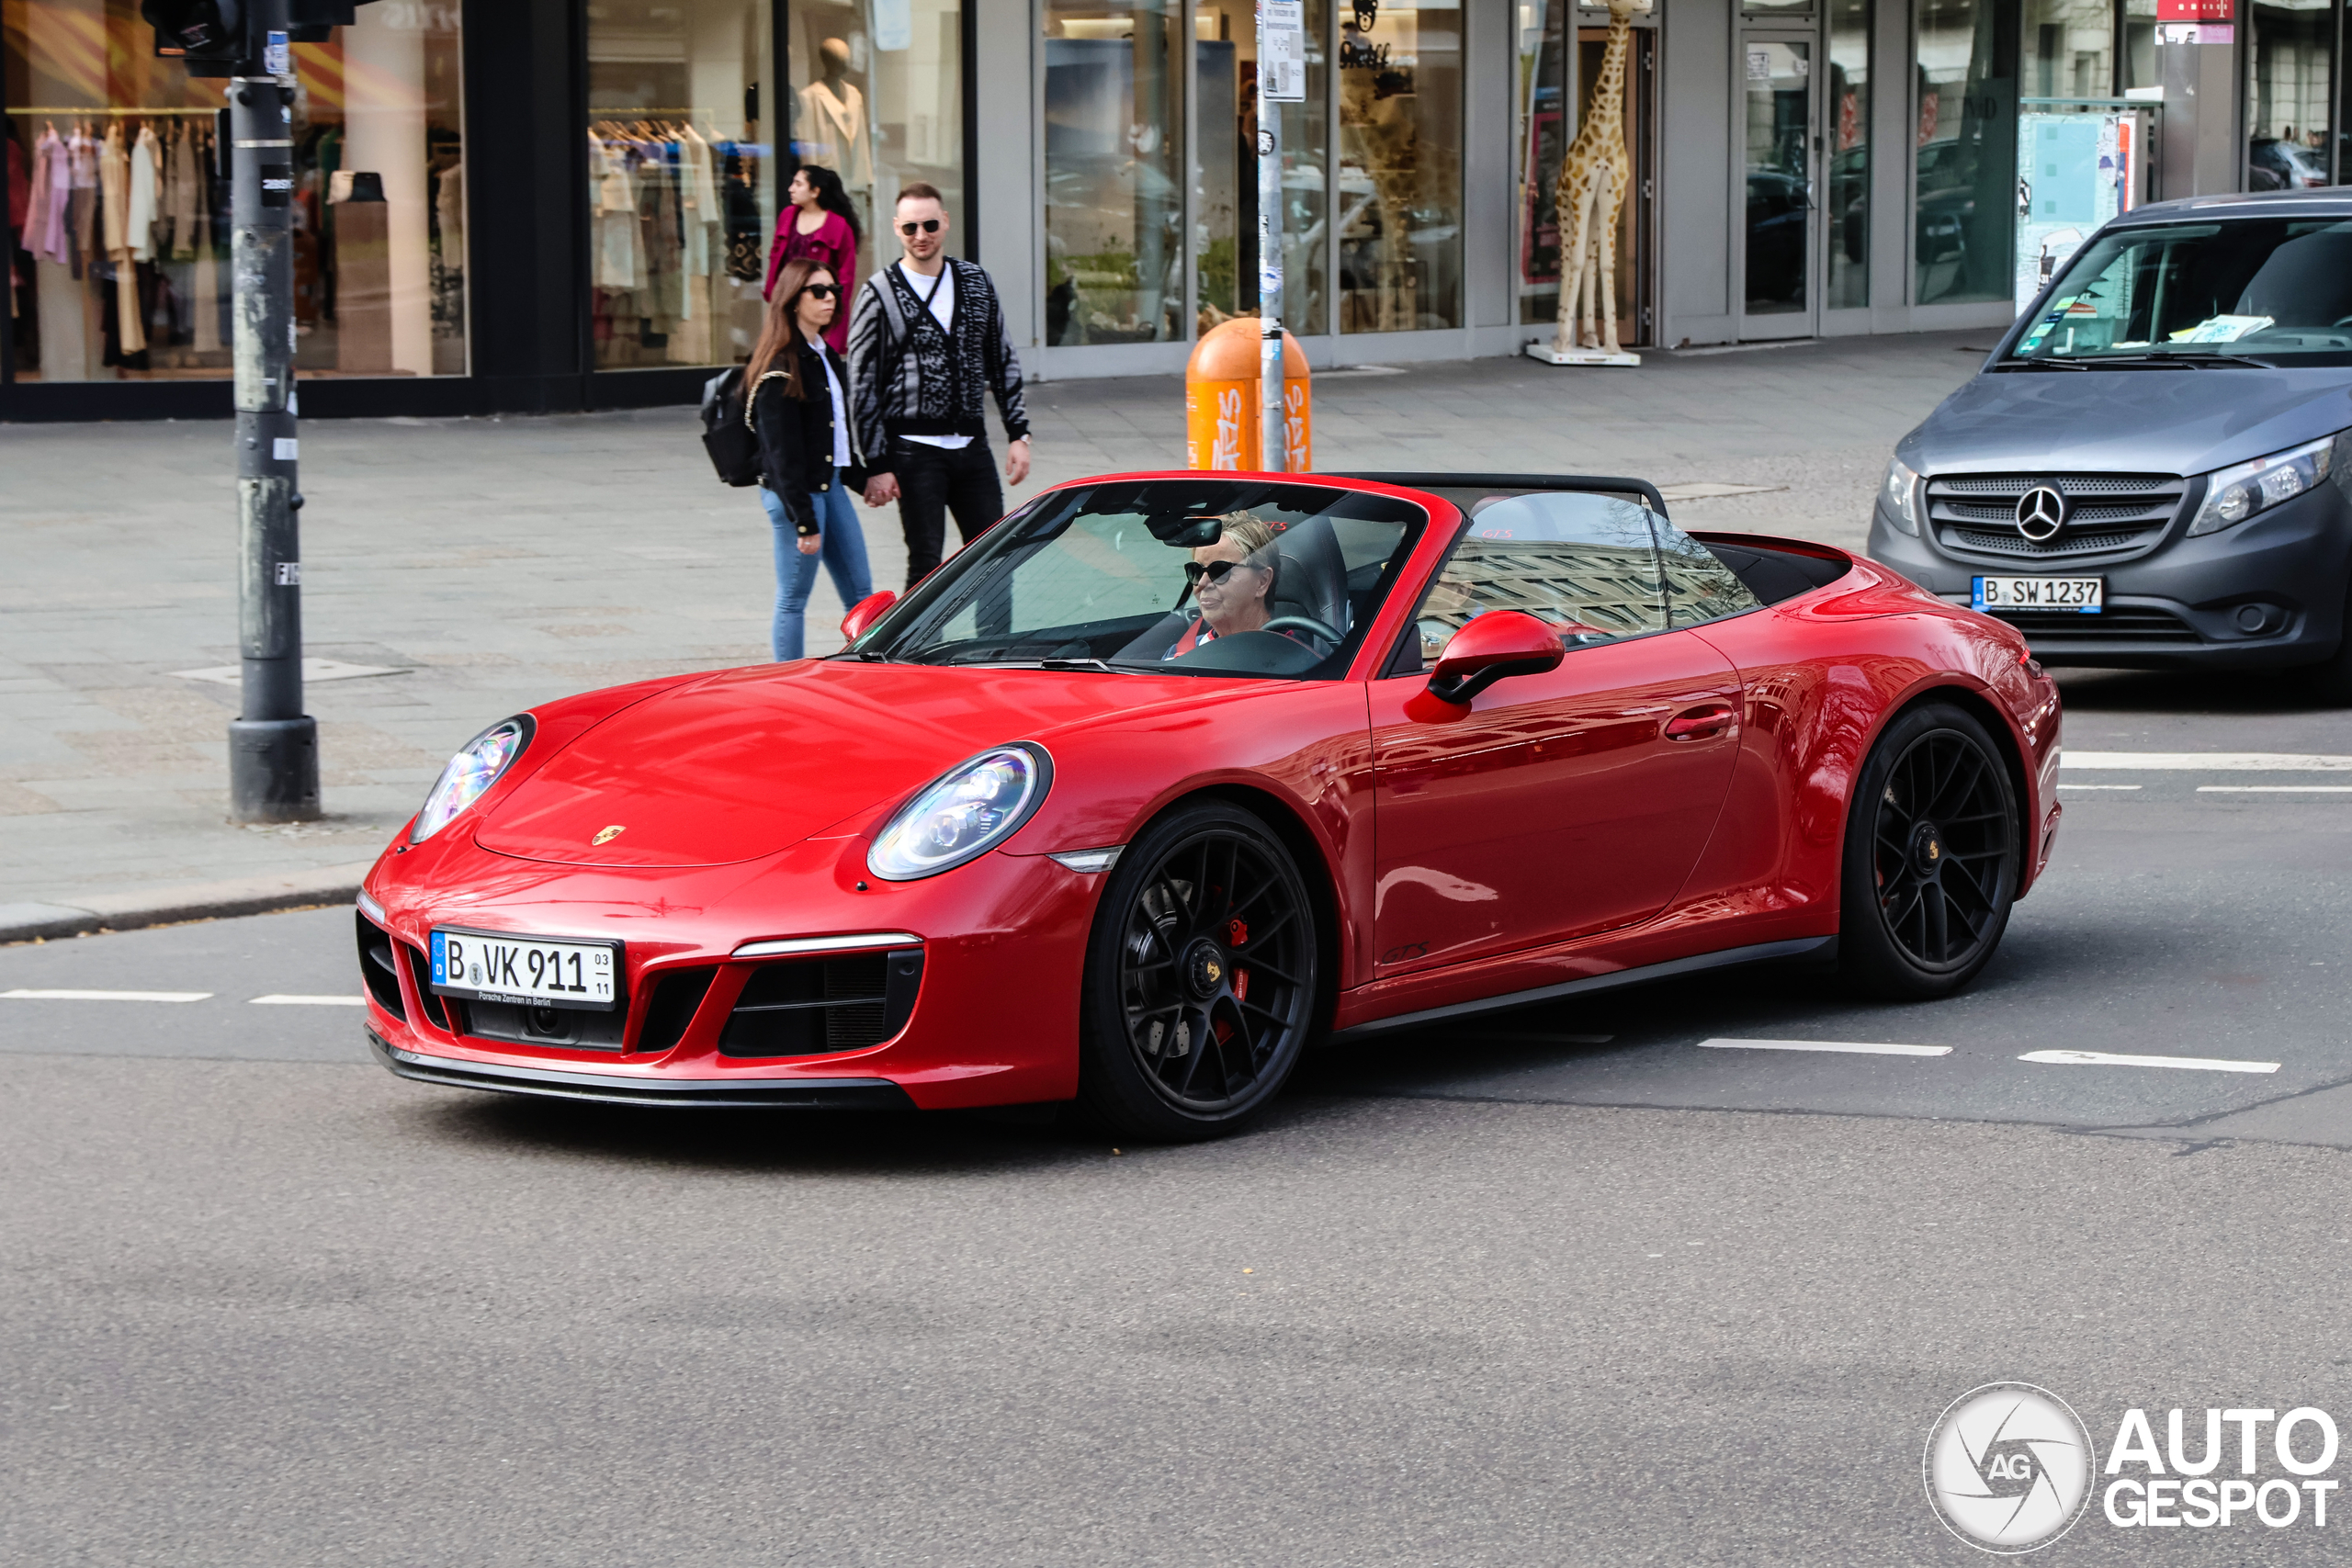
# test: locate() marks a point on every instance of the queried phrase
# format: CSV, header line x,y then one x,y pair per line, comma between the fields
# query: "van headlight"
x,y
471,773
963,814
2234,494
1900,493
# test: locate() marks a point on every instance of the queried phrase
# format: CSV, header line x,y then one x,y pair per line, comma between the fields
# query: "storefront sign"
x,y
2195,11
2195,32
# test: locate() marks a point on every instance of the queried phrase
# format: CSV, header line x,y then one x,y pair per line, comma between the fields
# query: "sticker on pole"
x,y
278,56
1281,66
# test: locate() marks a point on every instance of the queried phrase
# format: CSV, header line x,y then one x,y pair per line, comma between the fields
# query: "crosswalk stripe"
x,y
1850,1047
2274,789
107,996
2207,761
2110,1059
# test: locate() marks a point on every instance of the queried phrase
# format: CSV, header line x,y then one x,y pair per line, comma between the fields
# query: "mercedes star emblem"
x,y
2042,512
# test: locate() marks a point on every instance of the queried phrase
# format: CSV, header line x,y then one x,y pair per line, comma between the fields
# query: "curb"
x,y
166,906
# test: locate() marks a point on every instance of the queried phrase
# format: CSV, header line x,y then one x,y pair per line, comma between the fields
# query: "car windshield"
x,y
2268,289
1211,576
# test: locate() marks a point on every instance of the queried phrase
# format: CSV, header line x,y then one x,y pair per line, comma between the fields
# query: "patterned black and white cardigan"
x,y
908,378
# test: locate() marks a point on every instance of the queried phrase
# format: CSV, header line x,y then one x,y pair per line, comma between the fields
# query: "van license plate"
x,y
2079,595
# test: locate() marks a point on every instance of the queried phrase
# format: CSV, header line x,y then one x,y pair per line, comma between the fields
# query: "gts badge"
x,y
1405,953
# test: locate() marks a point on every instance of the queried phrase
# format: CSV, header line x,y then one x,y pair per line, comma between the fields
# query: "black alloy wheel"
x,y
1932,857
1201,977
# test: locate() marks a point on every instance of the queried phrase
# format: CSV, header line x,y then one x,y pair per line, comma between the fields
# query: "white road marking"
x,y
107,996
2102,786
2109,1059
2274,789
2207,761
284,1001
1855,1047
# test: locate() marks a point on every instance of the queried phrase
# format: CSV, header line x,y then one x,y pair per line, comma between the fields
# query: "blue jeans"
x,y
843,555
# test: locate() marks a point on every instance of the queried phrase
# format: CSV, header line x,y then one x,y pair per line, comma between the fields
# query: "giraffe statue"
x,y
1594,174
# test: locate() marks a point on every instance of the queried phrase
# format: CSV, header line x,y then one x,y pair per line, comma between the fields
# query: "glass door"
x,y
1778,230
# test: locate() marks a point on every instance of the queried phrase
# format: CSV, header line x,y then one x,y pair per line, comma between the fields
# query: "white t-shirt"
x,y
942,311
841,412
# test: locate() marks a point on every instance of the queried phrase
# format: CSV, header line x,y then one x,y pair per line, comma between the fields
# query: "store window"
x,y
1965,162
122,249
1115,196
2289,97
1400,165
1848,235
1225,183
877,97
1548,124
682,185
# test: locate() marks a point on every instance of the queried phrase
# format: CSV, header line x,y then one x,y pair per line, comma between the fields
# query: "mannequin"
x,y
833,122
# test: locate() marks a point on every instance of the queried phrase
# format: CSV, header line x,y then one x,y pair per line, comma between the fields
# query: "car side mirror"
x,y
1495,645
864,613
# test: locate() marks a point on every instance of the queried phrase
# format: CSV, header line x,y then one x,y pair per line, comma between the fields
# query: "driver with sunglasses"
x,y
1233,581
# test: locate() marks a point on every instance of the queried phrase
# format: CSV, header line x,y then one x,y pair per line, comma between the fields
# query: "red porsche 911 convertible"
x,y
1168,776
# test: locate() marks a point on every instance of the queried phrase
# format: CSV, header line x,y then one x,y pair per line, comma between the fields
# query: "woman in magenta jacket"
x,y
820,226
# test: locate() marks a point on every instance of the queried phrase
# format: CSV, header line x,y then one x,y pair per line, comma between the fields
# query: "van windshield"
x,y
2261,290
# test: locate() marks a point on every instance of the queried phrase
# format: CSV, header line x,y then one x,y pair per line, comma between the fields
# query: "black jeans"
x,y
934,481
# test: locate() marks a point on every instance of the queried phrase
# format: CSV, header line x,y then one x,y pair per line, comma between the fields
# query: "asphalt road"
x,y
1572,1287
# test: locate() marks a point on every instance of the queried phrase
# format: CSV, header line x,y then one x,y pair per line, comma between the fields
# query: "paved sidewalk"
x,y
496,563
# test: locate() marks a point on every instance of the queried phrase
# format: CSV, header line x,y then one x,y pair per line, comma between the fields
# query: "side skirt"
x,y
1813,947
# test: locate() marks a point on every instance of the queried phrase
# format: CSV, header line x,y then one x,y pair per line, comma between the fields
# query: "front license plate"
x,y
2081,595
536,971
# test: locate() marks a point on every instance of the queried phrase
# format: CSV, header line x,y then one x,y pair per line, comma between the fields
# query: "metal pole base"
x,y
273,770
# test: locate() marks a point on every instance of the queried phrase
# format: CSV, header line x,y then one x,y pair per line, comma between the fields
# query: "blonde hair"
x,y
1254,534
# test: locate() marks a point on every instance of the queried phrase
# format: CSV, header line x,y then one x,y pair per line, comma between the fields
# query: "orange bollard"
x,y
1222,399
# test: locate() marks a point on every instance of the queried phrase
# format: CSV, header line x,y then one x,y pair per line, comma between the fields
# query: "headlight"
x,y
469,773
966,812
2232,495
1900,493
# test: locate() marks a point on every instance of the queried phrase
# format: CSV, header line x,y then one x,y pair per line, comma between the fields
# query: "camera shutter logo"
x,y
2008,1468
2042,512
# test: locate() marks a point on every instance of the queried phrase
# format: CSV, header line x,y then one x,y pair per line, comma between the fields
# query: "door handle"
x,y
1700,723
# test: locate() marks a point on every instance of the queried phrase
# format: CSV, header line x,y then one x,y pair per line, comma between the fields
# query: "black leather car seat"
x,y
1312,579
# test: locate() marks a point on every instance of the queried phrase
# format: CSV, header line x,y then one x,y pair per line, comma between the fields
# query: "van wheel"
x,y
1932,840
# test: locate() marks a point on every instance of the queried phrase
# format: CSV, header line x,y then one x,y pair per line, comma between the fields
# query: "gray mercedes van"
x,y
2153,469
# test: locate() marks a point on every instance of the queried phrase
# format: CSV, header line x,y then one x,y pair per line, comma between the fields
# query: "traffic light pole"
x,y
273,746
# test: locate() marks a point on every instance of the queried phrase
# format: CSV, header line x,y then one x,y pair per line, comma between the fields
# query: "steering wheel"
x,y
1305,624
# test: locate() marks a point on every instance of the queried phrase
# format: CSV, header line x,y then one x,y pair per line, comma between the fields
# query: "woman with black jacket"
x,y
808,460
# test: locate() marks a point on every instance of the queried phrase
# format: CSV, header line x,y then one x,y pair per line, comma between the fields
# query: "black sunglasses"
x,y
929,226
1215,571
822,291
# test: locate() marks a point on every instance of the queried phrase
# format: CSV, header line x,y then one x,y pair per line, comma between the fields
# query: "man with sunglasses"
x,y
927,339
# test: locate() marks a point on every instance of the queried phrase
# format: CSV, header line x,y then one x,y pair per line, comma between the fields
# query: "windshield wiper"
x,y
2194,361
2157,359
